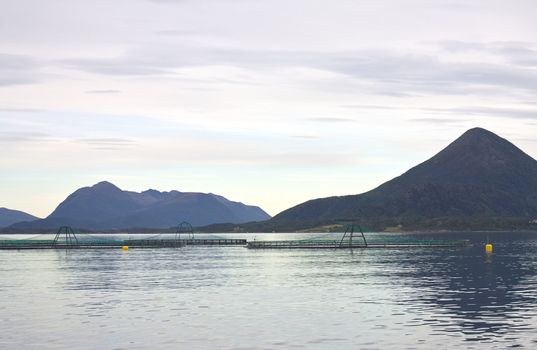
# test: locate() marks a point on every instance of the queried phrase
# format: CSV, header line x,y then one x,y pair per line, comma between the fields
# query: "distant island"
x,y
478,182
105,207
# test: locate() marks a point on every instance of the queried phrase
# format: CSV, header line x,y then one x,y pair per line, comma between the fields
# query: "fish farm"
x,y
353,237
66,238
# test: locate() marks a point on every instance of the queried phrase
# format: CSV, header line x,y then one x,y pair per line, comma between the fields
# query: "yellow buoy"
x,y
125,247
488,248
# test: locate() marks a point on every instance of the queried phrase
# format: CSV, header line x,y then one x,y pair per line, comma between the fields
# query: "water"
x,y
235,298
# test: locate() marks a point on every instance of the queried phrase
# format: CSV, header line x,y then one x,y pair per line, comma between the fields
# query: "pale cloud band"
x,y
235,96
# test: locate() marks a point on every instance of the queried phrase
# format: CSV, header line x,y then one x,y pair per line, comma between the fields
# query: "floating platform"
x,y
109,244
215,241
354,238
66,238
337,245
150,243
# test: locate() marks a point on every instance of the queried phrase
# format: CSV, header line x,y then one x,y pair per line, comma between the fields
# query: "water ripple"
x,y
233,298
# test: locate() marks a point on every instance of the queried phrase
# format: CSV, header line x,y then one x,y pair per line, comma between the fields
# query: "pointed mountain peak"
x,y
480,145
479,175
105,185
478,134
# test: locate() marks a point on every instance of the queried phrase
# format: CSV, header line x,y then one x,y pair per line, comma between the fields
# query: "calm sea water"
x,y
235,298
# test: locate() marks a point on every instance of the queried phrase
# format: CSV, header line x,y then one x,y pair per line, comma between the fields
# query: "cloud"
x,y
391,73
107,143
116,66
517,53
331,120
514,113
18,69
374,107
420,73
168,1
175,32
284,159
440,121
305,159
21,110
23,137
103,143
103,91
306,137
164,59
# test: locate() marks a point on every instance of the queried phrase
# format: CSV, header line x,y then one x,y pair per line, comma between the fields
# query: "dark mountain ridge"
x,y
104,206
479,175
9,217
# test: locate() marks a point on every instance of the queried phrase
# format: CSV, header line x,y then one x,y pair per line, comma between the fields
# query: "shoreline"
x,y
417,232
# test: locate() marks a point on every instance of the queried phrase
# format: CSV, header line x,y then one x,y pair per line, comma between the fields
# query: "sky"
x,y
266,102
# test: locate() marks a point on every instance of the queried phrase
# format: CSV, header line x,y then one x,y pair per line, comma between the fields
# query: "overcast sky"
x,y
267,102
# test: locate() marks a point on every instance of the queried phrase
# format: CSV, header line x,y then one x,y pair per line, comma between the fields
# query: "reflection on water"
x,y
485,297
231,297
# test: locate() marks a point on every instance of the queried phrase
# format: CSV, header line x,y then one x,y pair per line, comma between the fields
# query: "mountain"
x,y
104,206
478,179
9,217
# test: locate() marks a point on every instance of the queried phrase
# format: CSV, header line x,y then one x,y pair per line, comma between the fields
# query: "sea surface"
x,y
236,298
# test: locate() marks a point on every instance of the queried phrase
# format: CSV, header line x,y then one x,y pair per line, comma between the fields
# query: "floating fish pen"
x,y
353,239
185,234
17,245
334,244
65,238
214,241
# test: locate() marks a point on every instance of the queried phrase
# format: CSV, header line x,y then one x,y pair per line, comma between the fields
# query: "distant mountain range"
x,y
476,182
106,207
9,217
479,181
